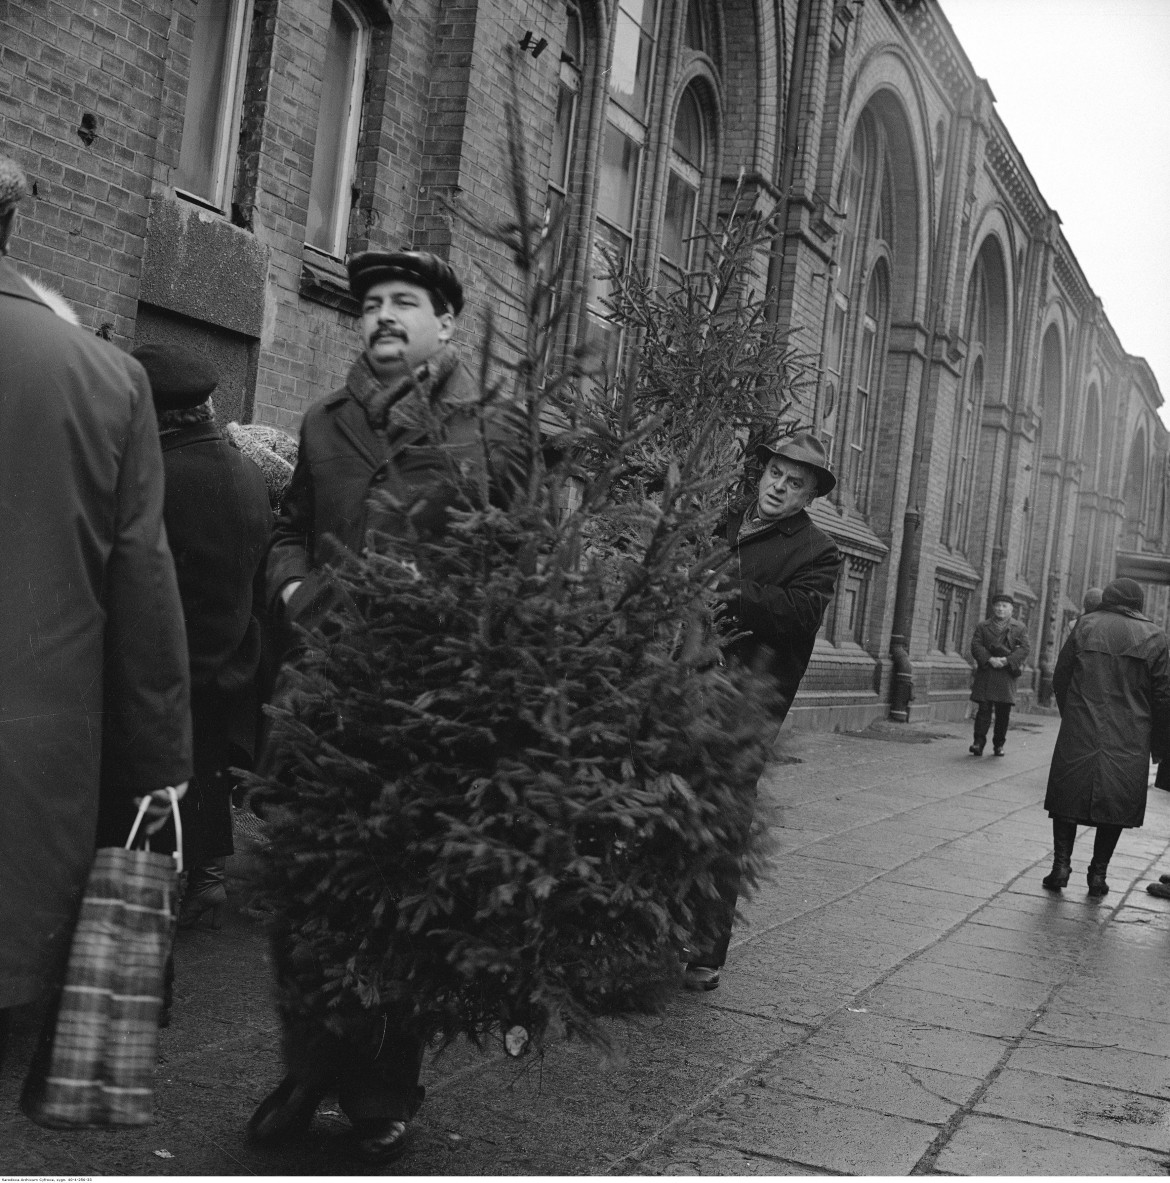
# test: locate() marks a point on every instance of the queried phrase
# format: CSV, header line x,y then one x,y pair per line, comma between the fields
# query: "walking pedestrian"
x,y
1112,684
1000,648
783,574
94,700
218,523
408,411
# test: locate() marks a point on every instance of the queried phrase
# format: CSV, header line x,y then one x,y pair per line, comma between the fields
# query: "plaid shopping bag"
x,y
101,1068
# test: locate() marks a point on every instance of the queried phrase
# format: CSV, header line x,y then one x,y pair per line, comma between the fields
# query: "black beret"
x,y
420,267
179,378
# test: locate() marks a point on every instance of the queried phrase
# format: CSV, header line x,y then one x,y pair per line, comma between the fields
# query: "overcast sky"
x,y
1083,87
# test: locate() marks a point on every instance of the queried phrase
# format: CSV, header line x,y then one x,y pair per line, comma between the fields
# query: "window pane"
x,y
688,130
573,37
679,223
329,190
619,174
617,246
208,99
629,77
563,135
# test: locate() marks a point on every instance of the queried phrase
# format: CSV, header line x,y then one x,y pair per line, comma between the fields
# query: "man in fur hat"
x,y
783,574
407,420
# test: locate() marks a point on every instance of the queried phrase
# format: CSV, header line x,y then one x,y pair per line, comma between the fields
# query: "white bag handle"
x,y
144,805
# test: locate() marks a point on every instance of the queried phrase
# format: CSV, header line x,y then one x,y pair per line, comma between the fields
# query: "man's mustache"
x,y
397,334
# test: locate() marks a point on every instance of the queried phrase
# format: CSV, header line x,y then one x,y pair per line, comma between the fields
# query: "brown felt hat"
x,y
421,267
803,448
179,378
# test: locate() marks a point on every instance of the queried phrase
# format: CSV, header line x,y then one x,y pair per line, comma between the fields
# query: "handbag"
x,y
100,1070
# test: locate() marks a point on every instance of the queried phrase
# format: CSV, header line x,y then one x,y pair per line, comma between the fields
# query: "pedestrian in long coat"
x,y
1000,649
218,522
93,662
1112,684
782,577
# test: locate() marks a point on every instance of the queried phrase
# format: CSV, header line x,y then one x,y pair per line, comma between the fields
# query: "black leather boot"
x,y
1096,879
1064,835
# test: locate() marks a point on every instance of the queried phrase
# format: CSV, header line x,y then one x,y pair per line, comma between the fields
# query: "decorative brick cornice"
x,y
1072,279
932,39
1006,170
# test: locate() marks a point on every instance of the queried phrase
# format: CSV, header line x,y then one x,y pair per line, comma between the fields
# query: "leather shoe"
x,y
1161,890
700,977
286,1112
382,1147
997,750
976,749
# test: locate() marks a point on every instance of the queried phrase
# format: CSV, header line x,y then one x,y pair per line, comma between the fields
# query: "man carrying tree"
x,y
783,573
408,418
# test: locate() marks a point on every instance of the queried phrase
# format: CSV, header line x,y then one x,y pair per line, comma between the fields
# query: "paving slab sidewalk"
x,y
904,998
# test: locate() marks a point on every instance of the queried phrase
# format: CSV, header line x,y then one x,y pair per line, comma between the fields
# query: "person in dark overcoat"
x,y
218,523
408,411
1000,649
94,698
782,577
1112,685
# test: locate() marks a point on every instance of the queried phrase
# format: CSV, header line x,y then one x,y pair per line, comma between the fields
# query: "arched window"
x,y
856,340
969,408
338,121
685,182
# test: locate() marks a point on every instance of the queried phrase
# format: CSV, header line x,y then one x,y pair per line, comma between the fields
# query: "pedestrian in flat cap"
x,y
1000,649
408,412
94,699
218,524
1112,685
783,573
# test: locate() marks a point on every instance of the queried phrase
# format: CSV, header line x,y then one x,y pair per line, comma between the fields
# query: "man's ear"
x,y
446,326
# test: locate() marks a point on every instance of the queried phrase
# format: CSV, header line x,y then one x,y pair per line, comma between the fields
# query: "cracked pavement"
x,y
903,998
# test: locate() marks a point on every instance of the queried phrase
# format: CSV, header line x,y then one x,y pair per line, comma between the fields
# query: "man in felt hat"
x,y
1000,648
783,573
218,524
94,696
408,420
1112,685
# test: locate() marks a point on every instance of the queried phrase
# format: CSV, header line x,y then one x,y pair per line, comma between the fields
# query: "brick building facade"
x,y
202,167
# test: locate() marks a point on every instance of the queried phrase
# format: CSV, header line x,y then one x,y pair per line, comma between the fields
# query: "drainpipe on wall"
x,y
788,147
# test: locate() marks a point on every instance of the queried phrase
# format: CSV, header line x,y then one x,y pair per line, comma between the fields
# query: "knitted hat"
x,y
1003,598
179,378
420,267
1124,593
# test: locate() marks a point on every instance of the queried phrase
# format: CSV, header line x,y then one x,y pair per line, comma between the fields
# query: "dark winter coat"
x,y
328,508
93,660
787,572
998,685
218,523
1112,684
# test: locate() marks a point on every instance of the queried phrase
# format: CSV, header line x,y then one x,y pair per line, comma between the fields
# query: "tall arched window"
x,y
684,183
856,340
964,430
565,129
